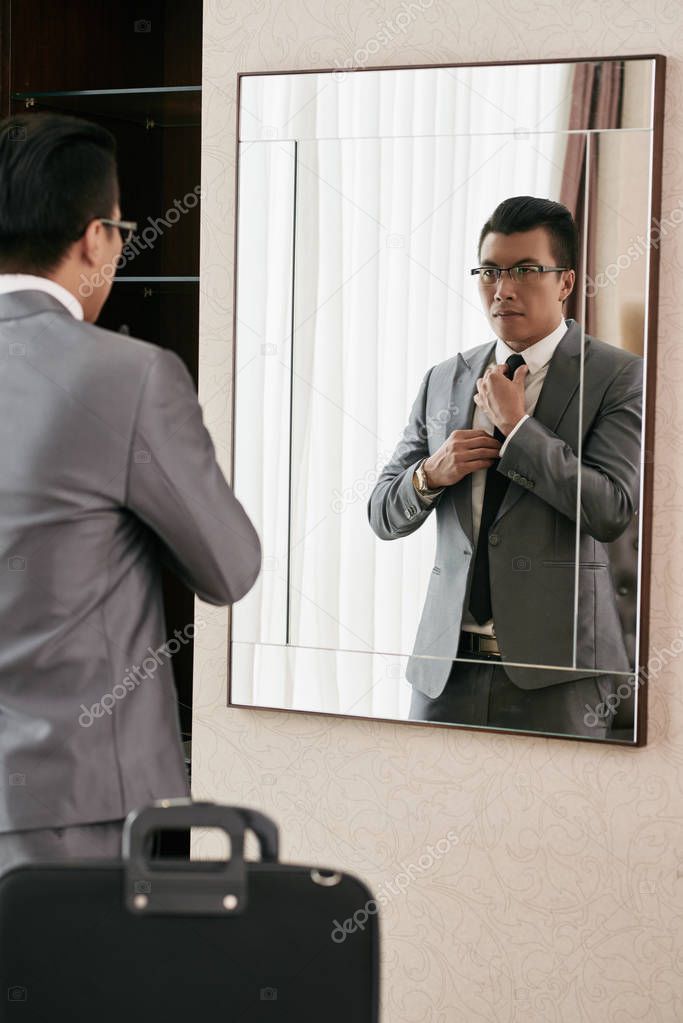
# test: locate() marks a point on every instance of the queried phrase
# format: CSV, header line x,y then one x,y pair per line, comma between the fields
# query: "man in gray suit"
x,y
106,471
498,446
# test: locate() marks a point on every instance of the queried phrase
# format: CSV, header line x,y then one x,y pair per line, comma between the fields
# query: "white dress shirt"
x,y
537,358
32,282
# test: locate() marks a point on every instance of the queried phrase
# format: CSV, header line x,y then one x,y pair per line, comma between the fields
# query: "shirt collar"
x,y
33,282
538,355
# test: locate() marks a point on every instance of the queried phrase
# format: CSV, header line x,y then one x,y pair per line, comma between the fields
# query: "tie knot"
x,y
513,362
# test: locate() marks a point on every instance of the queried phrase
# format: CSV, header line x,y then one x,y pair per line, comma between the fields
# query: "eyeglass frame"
x,y
500,270
130,226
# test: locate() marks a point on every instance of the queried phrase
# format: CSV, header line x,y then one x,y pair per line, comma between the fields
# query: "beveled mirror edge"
x,y
276,72
453,64
645,529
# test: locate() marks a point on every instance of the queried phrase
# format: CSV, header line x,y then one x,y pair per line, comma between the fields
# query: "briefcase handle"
x,y
191,886
265,829
185,812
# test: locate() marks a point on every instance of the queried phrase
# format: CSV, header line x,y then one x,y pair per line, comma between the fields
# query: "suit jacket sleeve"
x,y
394,508
177,488
610,460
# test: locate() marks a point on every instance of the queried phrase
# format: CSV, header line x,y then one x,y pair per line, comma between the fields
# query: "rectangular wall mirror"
x,y
362,338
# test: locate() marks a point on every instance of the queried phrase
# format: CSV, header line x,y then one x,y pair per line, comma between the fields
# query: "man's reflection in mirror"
x,y
502,479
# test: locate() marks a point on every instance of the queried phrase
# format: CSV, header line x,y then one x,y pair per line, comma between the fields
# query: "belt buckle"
x,y
488,645
479,645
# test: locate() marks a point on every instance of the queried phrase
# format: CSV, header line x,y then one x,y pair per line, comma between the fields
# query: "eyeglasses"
x,y
126,227
520,274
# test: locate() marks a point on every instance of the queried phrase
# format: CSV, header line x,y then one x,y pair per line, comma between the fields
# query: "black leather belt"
x,y
476,644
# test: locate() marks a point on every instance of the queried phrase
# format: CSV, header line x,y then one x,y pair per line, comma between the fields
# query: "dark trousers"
x,y
480,693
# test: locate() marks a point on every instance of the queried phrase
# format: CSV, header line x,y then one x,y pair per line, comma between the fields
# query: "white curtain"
x,y
385,228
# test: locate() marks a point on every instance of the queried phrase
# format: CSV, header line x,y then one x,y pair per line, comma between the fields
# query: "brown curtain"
x,y
596,103
597,92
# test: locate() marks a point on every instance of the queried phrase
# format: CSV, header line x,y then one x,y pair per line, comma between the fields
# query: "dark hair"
x,y
525,212
56,174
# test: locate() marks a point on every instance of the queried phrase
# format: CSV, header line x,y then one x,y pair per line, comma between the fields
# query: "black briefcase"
x,y
229,941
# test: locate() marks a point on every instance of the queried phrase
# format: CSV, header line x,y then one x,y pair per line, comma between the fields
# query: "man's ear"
x,y
90,243
569,282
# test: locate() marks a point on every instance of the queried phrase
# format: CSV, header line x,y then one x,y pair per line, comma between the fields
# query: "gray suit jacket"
x,y
106,468
532,541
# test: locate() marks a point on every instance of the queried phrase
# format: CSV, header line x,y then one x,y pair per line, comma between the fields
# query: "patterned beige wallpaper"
x,y
554,890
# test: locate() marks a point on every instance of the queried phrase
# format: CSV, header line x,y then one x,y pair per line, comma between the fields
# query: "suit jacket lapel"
x,y
462,402
560,385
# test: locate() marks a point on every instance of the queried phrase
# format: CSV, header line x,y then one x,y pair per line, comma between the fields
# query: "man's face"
x,y
523,313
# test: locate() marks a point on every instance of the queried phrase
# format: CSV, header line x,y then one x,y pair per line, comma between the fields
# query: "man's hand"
x,y
500,398
462,452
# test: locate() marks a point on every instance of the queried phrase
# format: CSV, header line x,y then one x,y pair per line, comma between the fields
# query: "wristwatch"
x,y
420,482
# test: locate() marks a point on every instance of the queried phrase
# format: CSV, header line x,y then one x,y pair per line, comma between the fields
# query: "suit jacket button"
x,y
531,483
493,539
511,473
409,513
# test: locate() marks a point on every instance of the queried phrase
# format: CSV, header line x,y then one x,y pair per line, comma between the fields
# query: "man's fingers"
x,y
465,434
487,441
475,443
477,453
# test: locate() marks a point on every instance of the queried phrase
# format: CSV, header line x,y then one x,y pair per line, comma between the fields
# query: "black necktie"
x,y
496,485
